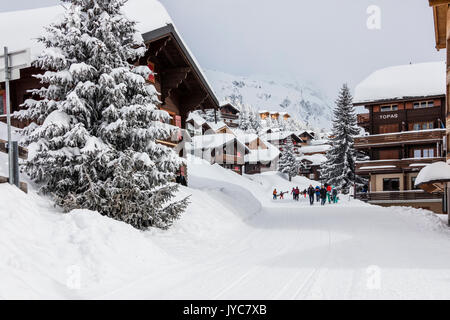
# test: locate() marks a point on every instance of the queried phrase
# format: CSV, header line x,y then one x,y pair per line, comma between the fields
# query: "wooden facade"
x,y
229,155
230,115
404,136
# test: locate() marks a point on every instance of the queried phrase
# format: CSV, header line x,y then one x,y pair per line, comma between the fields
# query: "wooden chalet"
x,y
405,133
178,77
230,115
264,115
262,156
306,136
279,139
311,160
223,149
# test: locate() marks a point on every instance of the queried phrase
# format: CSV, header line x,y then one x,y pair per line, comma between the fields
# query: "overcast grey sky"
x,y
326,41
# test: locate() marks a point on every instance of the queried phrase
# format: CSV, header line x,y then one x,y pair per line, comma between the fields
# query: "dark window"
x,y
2,103
391,184
389,108
423,104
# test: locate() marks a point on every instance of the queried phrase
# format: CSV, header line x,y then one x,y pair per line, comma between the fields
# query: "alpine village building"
x,y
230,115
405,130
435,178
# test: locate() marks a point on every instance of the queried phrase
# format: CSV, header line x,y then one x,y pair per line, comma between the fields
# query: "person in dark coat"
x,y
311,193
323,195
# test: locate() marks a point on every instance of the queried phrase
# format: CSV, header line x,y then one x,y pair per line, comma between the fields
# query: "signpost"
x,y
10,65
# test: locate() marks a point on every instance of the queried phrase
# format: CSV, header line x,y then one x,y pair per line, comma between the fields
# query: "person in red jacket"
x,y
329,189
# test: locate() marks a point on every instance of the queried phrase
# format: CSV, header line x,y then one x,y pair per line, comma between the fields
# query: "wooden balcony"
x,y
229,116
399,196
229,159
397,165
400,138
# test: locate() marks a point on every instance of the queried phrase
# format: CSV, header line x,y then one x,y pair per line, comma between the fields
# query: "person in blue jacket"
x,y
317,194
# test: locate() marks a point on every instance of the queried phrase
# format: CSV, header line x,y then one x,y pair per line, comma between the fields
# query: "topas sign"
x,y
389,116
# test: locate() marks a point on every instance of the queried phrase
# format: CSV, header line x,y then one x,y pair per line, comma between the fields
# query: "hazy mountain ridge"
x,y
302,101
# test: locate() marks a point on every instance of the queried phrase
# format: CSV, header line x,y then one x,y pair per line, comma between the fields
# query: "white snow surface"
x,y
432,172
233,242
413,80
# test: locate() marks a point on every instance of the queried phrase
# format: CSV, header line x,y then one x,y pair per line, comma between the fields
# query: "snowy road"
x,y
234,242
293,251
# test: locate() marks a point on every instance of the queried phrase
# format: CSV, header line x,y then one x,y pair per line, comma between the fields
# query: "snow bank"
x,y
42,251
438,171
414,80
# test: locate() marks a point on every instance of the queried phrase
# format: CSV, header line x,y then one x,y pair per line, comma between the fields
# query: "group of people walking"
x,y
322,194
318,194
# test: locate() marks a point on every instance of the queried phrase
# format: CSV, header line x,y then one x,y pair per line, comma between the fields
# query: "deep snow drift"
x,y
233,242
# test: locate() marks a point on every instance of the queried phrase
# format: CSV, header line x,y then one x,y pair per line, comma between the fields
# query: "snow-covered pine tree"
x,y
96,146
245,123
210,115
339,169
288,163
255,121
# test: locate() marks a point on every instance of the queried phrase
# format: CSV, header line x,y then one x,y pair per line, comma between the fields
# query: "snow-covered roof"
x,y
315,159
246,137
212,141
196,119
263,155
438,171
315,149
217,125
276,136
319,142
406,81
25,26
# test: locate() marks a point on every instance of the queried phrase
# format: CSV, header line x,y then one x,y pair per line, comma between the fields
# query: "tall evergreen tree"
x,y
245,123
255,121
96,148
210,115
288,163
339,169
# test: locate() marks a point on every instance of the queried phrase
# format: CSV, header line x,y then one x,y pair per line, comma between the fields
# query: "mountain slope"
x,y
302,101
